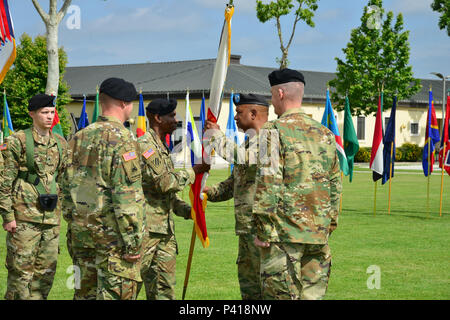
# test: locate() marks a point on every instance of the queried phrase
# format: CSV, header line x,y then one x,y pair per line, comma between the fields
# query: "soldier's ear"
x,y
280,93
158,119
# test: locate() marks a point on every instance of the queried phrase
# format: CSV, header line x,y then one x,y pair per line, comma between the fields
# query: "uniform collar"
x,y
49,140
291,111
109,119
158,139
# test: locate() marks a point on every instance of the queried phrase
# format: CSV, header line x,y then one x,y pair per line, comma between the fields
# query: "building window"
x,y
361,128
386,121
414,129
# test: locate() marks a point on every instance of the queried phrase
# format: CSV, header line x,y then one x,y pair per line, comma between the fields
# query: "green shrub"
x,y
410,152
398,154
363,155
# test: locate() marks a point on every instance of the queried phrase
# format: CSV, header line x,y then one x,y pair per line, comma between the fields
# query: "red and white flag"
x,y
376,158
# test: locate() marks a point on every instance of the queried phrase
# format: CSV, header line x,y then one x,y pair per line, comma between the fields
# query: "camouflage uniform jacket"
x,y
103,198
161,183
19,198
297,199
240,185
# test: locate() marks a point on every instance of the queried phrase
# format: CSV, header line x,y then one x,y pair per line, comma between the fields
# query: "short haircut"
x,y
293,91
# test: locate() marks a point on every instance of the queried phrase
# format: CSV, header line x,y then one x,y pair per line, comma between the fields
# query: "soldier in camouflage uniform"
x,y
251,114
104,198
161,184
29,202
297,199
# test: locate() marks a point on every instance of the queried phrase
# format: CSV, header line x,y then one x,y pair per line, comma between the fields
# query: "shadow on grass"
x,y
400,214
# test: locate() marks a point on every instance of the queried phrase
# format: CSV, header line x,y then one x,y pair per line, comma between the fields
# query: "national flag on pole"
x,y
191,133
431,138
7,40
351,144
83,122
56,125
141,125
388,142
7,123
96,111
198,205
376,157
329,121
203,114
231,131
198,200
445,141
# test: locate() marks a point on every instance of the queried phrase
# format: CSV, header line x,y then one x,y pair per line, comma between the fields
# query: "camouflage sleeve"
x,y
222,191
128,211
154,175
66,160
66,177
269,183
180,207
335,192
174,181
10,173
224,147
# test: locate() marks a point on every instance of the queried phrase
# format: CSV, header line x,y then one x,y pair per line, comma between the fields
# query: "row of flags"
x,y
83,122
383,144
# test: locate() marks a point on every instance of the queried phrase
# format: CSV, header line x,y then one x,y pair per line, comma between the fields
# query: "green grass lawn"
x,y
409,246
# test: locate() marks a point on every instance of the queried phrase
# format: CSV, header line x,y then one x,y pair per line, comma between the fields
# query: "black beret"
x,y
284,76
119,89
40,101
161,106
242,98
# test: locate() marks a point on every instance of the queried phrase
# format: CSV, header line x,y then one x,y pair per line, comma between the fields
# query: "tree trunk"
x,y
52,21
284,60
53,58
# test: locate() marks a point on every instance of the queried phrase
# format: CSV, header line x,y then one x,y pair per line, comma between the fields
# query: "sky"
x,y
126,32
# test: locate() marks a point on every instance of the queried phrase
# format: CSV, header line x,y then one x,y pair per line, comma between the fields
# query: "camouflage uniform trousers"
x,y
248,263
112,286
158,266
31,260
85,273
292,271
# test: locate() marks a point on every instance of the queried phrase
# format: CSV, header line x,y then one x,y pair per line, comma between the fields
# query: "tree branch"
x,y
45,17
63,10
280,34
297,19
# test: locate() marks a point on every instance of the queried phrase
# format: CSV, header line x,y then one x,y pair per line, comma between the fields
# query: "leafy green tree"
x,y
28,77
443,7
277,9
376,58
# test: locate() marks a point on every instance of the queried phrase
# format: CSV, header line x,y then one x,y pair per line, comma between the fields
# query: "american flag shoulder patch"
x,y
147,154
3,146
129,156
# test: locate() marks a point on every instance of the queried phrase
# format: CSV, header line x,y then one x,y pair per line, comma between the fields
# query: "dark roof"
x,y
158,79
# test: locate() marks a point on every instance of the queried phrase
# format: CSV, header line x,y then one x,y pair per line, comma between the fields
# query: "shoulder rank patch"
x,y
147,154
129,156
3,146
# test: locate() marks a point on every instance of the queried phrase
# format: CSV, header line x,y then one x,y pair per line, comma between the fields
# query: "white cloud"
x,y
410,6
150,19
245,6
